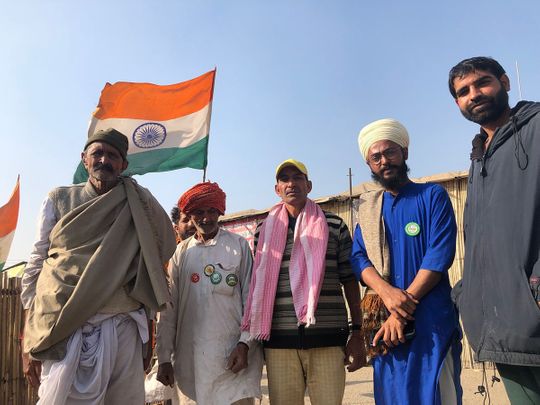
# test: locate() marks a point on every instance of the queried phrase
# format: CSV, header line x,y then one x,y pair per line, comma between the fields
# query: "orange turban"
x,y
203,195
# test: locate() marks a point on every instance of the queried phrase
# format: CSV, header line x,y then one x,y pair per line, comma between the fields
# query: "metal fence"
x,y
13,387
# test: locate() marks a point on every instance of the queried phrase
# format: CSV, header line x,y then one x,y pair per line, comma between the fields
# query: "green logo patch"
x,y
412,229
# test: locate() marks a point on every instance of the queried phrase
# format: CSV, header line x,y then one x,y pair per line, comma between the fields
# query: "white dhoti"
x,y
103,364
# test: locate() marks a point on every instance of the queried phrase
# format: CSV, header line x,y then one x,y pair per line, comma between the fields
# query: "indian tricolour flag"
x,y
8,222
167,126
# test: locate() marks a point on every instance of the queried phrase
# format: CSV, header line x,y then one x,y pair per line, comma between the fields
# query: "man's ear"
x,y
125,165
83,160
309,186
505,82
405,153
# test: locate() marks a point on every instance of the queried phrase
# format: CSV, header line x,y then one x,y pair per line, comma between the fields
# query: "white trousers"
x,y
180,399
447,383
103,364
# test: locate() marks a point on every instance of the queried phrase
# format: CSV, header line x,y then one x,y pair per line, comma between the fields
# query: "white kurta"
x,y
46,222
203,326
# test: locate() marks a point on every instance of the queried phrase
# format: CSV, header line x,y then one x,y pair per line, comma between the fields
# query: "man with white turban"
x,y
403,245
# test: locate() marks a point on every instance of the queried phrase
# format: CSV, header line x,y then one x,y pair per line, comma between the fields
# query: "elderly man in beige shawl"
x,y
94,273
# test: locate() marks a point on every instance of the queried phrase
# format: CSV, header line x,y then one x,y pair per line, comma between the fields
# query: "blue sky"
x,y
294,79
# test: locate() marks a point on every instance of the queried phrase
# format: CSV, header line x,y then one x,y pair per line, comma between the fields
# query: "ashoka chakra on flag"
x,y
149,135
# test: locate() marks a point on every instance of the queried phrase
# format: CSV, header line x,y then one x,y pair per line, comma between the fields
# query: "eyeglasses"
x,y
390,154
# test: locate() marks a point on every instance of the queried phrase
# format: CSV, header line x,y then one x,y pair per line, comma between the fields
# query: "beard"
x,y
394,182
493,108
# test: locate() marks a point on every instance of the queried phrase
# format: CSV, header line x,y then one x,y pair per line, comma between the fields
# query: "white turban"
x,y
387,129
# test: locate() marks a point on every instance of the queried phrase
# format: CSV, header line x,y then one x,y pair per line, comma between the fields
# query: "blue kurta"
x,y
409,373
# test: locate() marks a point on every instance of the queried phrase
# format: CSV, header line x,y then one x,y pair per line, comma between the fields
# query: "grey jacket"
x,y
502,242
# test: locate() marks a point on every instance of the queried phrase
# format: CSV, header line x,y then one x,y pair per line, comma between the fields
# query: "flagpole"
x,y
209,122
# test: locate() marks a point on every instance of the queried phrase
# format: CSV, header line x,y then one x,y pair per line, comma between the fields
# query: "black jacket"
x,y
502,242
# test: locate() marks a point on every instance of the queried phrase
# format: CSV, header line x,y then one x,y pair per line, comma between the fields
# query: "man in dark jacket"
x,y
496,297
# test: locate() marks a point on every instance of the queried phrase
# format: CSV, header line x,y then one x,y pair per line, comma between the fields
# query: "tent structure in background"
x,y
9,214
15,271
167,126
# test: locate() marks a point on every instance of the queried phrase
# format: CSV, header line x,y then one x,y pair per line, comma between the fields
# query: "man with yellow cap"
x,y
296,306
403,245
94,273
199,342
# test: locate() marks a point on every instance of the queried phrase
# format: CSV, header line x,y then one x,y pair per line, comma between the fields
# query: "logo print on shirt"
x,y
195,277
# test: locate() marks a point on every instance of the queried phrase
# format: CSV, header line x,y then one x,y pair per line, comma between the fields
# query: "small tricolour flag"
x,y
9,214
167,126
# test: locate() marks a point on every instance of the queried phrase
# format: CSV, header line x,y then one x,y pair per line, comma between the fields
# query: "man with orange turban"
x,y
199,344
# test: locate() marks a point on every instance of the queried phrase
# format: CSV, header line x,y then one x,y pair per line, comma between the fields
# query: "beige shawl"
x,y
120,239
371,223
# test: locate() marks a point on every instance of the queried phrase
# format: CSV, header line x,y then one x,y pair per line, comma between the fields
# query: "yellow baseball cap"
x,y
292,162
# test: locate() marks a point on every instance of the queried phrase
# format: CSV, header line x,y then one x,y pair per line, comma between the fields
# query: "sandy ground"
x,y
359,388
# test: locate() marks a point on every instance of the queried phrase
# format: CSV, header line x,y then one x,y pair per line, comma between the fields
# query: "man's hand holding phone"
x,y
393,332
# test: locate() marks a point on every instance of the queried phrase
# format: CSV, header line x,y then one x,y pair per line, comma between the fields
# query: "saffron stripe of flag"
x,y
9,214
167,126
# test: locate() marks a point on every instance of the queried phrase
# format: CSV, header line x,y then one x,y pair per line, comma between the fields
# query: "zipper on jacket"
x,y
483,171
482,185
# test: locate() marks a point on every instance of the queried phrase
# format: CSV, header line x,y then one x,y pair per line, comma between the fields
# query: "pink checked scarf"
x,y
306,268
